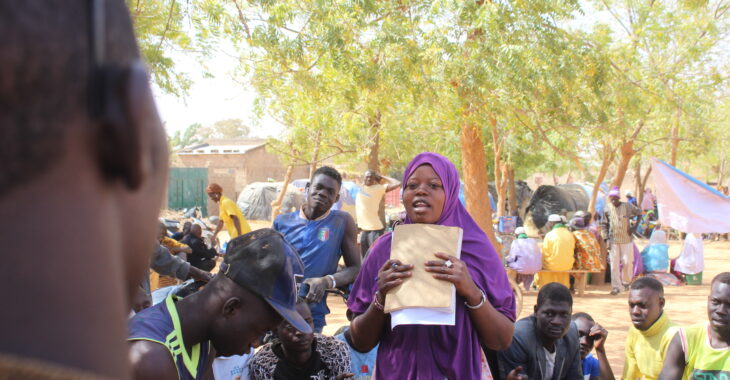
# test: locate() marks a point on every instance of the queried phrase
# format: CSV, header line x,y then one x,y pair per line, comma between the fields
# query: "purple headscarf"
x,y
435,352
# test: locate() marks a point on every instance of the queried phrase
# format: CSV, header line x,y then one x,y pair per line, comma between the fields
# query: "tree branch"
x,y
545,138
381,18
638,128
294,158
242,18
167,26
616,17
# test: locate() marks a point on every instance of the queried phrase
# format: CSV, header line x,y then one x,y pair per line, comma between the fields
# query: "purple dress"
x,y
437,352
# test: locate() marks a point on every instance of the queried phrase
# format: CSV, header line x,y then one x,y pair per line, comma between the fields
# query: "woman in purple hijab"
x,y
485,306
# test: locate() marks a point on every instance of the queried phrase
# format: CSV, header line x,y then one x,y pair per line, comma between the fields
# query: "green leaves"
x,y
342,75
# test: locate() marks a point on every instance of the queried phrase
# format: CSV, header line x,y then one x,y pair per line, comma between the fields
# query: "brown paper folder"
x,y
415,244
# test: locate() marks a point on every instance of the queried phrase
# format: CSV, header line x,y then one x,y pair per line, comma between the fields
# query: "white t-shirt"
x,y
367,205
549,363
232,367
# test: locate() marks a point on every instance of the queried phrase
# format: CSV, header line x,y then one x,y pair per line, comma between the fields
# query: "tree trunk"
x,y
642,185
501,188
476,190
627,152
276,204
607,158
315,155
500,183
605,163
512,188
373,155
637,182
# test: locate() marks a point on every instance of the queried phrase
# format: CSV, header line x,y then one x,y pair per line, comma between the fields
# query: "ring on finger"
x,y
449,264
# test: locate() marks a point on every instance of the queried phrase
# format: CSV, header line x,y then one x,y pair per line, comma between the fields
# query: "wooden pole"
x,y
276,204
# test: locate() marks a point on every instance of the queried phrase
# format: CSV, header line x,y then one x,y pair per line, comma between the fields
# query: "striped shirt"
x,y
615,222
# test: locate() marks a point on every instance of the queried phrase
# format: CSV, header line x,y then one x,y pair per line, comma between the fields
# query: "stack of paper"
x,y
422,299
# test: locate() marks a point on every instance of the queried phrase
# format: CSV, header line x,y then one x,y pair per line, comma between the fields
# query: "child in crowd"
x,y
362,364
591,335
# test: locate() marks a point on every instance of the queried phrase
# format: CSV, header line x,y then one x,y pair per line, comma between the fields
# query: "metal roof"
x,y
220,149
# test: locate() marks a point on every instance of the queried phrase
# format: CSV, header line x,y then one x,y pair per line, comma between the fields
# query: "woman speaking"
x,y
485,306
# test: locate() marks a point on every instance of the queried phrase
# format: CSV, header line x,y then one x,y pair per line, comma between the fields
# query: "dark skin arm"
x,y
674,361
392,183
367,328
236,223
601,334
218,228
351,255
494,328
199,274
150,360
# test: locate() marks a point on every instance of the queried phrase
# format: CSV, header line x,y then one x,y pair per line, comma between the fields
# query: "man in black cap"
x,y
255,290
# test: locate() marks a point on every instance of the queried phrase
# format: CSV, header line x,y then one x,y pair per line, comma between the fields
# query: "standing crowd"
x,y
81,120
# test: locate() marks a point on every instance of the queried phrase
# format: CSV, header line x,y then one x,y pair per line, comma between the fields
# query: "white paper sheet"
x,y
425,315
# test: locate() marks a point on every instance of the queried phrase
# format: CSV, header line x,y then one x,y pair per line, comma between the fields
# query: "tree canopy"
x,y
540,86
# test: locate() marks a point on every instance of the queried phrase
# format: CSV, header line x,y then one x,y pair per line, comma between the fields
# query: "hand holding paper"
x,y
457,274
392,274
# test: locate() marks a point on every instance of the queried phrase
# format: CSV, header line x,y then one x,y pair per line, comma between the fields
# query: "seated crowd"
x,y
554,342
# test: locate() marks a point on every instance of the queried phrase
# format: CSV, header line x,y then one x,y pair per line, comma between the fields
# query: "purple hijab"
x,y
437,352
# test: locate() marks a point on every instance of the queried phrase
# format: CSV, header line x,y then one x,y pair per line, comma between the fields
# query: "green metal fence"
x,y
187,189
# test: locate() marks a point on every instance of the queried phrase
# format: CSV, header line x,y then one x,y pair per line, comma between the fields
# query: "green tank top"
x,y
702,361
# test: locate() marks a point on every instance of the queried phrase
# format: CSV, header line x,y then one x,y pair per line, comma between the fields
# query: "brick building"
x,y
234,163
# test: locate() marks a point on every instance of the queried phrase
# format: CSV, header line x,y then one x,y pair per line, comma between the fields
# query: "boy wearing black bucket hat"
x,y
252,294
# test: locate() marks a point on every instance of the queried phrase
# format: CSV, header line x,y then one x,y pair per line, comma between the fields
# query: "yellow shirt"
x,y
557,249
169,242
367,205
228,209
703,361
645,350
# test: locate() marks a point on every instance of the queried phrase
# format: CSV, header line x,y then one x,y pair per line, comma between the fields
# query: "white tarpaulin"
x,y
686,203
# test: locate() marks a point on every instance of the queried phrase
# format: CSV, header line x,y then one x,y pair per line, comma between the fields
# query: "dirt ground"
x,y
685,305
